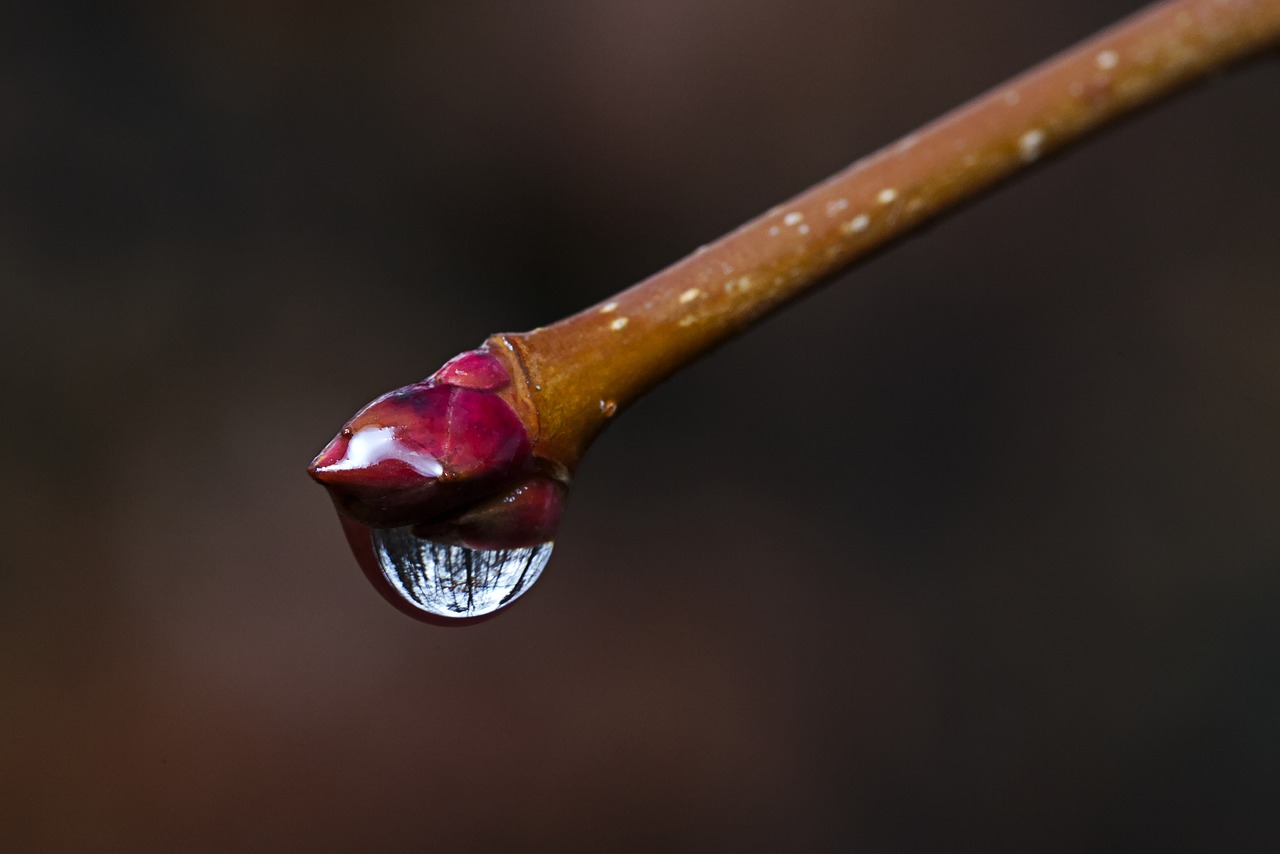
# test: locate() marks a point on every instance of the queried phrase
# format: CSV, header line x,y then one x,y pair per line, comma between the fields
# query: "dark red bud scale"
x,y
476,369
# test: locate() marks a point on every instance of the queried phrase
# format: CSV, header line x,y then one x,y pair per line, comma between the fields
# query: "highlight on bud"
x,y
448,511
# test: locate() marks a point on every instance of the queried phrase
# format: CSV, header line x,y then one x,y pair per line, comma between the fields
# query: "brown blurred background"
x,y
1002,573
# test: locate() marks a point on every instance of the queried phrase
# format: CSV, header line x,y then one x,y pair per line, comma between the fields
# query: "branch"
x,y
583,370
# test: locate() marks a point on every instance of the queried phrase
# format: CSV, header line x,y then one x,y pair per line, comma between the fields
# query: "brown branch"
x,y
582,370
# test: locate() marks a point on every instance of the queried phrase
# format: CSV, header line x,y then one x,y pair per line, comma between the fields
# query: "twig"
x,y
583,370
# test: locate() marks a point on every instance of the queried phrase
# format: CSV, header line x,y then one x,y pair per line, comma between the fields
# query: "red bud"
x,y
441,499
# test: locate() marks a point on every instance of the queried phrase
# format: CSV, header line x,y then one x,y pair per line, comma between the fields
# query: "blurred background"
x,y
1003,573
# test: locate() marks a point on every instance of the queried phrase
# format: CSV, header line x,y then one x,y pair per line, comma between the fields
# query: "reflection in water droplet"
x,y
455,581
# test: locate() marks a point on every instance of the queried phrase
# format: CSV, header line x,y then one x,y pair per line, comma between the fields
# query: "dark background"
x,y
1002,570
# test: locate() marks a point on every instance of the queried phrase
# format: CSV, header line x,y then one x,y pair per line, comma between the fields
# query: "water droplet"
x,y
456,581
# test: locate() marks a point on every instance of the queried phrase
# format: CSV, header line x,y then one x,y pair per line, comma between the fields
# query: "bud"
x,y
442,501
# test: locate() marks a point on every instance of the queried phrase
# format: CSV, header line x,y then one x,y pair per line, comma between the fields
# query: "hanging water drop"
x,y
456,581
